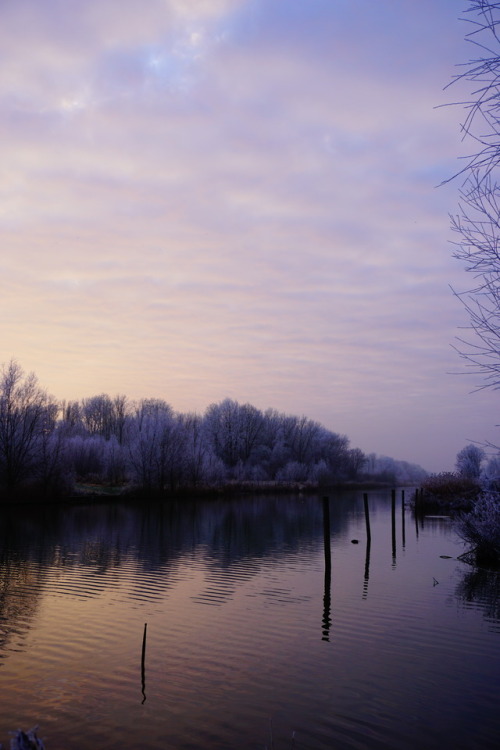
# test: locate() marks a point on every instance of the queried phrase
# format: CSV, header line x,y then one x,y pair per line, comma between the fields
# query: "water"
x,y
253,640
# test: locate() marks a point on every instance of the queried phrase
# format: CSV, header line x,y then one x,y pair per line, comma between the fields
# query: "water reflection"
x,y
143,664
481,588
326,622
235,539
403,527
393,526
366,576
244,608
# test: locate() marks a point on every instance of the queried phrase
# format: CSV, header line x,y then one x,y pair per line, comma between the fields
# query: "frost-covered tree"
x,y
103,415
155,447
481,528
198,459
97,415
85,456
477,222
469,460
234,431
355,462
491,471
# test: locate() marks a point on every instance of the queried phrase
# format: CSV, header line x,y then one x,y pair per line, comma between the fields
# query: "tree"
x,y
27,416
477,222
469,460
233,431
101,415
156,446
196,454
356,460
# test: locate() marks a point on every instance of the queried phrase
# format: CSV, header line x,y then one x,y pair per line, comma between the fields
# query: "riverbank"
x,y
101,492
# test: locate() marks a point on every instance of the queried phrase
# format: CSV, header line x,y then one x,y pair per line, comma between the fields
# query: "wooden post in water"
x,y
328,571
143,663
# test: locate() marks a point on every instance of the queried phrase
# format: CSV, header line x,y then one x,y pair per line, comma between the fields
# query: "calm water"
x,y
253,640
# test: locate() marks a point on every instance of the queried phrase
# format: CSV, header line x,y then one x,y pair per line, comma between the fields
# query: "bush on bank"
x,y
475,505
480,528
449,490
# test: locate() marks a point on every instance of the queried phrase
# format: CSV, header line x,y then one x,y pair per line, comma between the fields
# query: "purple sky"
x,y
204,199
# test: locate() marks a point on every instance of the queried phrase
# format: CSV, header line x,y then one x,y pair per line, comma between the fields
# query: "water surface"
x,y
261,632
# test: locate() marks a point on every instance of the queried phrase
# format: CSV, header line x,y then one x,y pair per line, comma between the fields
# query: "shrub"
x,y
481,529
451,490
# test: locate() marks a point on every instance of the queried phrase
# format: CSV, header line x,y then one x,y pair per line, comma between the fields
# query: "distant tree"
x,y
114,461
102,415
356,460
477,222
120,417
97,415
469,460
152,407
85,456
293,471
234,432
156,447
340,459
302,437
386,469
197,455
71,418
53,471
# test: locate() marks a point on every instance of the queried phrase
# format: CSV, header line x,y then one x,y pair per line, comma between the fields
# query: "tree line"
x,y
49,447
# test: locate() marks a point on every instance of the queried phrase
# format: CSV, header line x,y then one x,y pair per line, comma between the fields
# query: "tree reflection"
x,y
481,588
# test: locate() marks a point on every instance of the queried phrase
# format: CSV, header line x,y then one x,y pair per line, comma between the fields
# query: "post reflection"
x,y
393,526
143,664
326,622
368,545
403,530
367,567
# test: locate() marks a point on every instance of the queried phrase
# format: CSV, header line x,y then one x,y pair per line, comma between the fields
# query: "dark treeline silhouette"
x,y
48,447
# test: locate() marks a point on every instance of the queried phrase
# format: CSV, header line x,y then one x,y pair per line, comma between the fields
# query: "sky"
x,y
209,199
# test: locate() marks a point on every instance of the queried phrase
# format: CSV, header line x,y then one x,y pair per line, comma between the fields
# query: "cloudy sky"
x,y
204,199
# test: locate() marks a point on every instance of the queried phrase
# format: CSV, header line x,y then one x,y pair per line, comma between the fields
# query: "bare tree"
x,y
27,414
478,226
477,222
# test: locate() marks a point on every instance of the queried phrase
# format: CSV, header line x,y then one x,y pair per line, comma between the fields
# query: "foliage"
x,y
469,460
148,447
481,528
450,490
